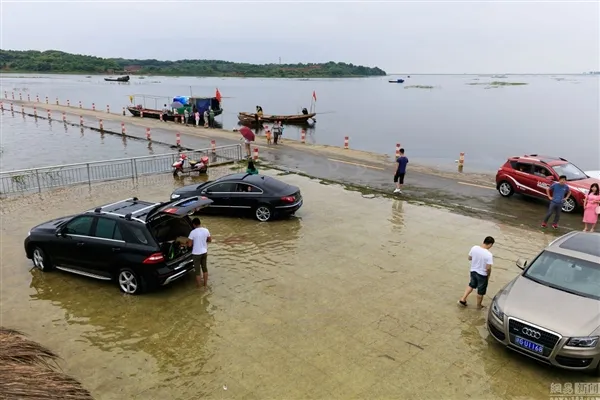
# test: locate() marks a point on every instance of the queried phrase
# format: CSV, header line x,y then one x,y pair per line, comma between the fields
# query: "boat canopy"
x,y
182,99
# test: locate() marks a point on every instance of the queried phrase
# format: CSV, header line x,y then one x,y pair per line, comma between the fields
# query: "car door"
x,y
106,247
524,179
220,194
544,178
246,196
71,244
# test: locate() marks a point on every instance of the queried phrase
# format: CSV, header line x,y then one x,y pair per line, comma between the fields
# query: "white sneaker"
x,y
397,191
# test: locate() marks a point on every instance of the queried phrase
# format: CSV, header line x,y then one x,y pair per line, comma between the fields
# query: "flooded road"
x,y
353,298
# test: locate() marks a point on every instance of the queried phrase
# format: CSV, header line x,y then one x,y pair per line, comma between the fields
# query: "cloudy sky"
x,y
427,37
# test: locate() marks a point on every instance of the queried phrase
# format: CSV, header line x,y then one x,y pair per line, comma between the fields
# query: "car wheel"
x,y
41,260
505,189
263,213
130,282
569,205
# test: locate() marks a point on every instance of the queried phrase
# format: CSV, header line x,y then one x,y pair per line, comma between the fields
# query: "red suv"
x,y
531,175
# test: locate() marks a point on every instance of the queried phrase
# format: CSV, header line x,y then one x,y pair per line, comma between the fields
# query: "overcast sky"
x,y
427,37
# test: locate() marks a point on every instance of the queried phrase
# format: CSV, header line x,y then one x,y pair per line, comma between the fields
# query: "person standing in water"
x,y
481,269
198,240
400,172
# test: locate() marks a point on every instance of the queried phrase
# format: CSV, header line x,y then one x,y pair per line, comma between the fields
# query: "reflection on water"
x,y
343,301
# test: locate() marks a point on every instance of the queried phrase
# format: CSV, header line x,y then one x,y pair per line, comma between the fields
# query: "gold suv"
x,y
551,311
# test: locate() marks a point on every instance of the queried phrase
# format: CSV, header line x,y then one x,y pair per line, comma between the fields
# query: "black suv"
x,y
139,244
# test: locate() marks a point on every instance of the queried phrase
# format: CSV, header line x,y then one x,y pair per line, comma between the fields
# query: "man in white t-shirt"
x,y
198,240
481,269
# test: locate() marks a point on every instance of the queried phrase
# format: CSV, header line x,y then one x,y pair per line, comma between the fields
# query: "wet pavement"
x,y
469,193
354,298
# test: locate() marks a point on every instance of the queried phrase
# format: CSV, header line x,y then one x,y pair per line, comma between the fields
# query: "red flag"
x,y
218,95
314,95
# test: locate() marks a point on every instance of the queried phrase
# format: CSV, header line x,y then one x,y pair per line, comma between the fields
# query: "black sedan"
x,y
262,196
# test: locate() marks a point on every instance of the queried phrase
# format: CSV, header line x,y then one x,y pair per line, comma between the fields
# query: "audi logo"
x,y
531,333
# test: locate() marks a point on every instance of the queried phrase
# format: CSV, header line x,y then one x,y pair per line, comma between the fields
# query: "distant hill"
x,y
53,61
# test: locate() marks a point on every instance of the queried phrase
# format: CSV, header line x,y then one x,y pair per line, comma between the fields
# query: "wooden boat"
x,y
201,103
248,118
119,79
396,81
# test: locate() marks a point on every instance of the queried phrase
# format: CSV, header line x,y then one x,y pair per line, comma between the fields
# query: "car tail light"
x,y
288,199
154,258
171,210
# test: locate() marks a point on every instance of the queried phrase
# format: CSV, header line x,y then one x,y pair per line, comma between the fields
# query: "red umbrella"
x,y
247,133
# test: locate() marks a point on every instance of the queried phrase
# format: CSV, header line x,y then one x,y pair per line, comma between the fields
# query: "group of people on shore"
x,y
207,117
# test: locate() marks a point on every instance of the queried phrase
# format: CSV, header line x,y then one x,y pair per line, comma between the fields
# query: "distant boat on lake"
x,y
396,81
119,79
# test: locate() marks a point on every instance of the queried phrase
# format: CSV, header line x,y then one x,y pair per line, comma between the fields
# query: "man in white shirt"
x,y
481,269
198,240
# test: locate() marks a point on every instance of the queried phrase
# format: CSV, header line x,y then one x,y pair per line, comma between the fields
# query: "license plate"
x,y
529,345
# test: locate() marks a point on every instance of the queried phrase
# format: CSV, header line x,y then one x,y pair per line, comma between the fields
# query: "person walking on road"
x,y
481,269
198,240
205,115
559,190
400,172
591,208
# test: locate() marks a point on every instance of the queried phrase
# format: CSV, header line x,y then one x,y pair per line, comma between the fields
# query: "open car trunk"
x,y
171,226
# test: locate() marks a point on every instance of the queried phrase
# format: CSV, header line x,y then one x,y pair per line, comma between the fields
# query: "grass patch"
x,y
418,87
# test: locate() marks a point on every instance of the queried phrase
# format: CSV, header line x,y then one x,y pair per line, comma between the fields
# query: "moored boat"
x,y
396,81
119,79
249,118
175,113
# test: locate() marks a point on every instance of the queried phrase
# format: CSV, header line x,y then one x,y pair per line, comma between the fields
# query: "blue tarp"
x,y
182,99
202,104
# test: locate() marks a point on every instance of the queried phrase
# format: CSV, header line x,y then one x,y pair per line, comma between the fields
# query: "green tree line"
x,y
53,61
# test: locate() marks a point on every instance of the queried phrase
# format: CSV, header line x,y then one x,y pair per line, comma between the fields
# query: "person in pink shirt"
x,y
591,206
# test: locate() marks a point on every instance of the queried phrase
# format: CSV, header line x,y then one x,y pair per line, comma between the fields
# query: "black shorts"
x,y
200,263
479,282
399,178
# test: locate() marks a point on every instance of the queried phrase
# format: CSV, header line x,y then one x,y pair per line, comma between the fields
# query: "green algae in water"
x,y
498,83
418,87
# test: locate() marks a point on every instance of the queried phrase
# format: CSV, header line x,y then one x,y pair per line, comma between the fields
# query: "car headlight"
x,y
589,341
497,311
175,196
584,191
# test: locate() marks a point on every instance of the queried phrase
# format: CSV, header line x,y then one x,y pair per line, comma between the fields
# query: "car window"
x,y
565,273
524,167
79,226
224,187
108,229
570,171
541,171
137,235
245,188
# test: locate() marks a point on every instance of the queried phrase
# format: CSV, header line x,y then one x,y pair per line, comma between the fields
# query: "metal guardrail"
x,y
38,179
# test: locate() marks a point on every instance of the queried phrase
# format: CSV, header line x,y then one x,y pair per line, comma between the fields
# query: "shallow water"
x,y
555,115
29,142
353,298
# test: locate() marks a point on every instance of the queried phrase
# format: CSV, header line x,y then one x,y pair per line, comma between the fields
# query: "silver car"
x,y
551,311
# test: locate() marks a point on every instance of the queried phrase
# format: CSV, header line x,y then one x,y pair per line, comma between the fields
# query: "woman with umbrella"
x,y
248,137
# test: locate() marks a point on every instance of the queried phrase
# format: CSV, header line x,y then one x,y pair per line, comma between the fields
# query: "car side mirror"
x,y
60,232
521,263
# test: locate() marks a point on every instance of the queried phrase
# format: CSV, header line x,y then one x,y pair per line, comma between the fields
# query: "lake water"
x,y
554,115
27,143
